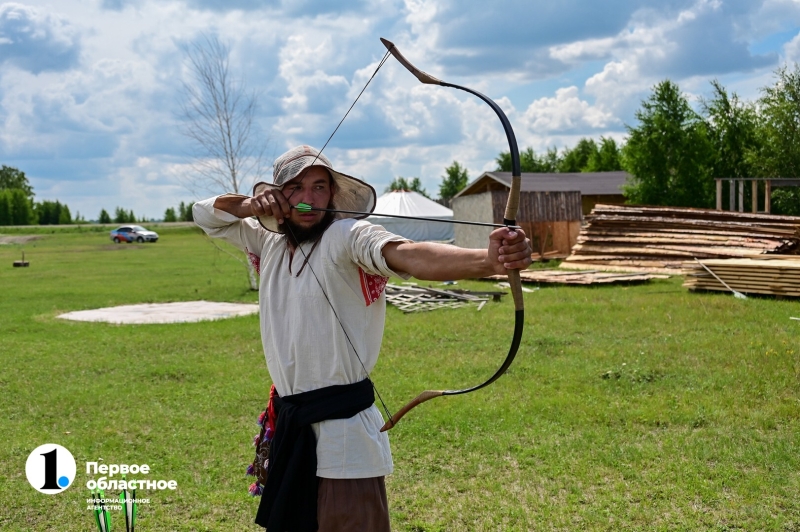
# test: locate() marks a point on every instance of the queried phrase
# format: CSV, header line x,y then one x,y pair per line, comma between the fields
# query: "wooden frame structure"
x,y
736,189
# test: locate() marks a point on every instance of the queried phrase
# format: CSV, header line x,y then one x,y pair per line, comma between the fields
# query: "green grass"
x,y
627,408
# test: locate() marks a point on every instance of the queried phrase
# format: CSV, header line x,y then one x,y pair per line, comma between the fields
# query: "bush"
x,y
786,201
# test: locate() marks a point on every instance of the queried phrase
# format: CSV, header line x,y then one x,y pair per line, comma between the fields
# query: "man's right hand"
x,y
270,202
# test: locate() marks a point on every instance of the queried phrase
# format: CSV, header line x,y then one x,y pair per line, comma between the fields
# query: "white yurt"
x,y
410,203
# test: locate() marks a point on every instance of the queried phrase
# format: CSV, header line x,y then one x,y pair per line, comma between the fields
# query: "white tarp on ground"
x,y
181,312
413,204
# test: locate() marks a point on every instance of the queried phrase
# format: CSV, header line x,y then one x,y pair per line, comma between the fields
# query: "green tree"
x,y
576,159
187,215
530,162
668,153
21,207
401,183
45,212
185,212
778,146
169,215
104,217
732,130
14,178
52,213
786,201
454,181
607,158
121,216
550,161
6,212
779,126
64,216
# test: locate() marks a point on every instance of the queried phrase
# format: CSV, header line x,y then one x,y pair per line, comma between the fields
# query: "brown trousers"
x,y
352,504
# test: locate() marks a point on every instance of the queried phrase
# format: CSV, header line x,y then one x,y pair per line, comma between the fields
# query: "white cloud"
x,y
616,84
36,40
791,50
565,112
584,50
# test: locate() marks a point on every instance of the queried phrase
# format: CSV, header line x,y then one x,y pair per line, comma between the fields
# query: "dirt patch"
x,y
24,239
180,312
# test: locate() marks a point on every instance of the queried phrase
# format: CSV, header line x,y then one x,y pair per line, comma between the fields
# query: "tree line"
x,y
18,207
586,156
454,180
675,152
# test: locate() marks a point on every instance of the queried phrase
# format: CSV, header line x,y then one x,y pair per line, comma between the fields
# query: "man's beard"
x,y
299,235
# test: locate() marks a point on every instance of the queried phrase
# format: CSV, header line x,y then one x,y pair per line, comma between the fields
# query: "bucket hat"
x,y
350,194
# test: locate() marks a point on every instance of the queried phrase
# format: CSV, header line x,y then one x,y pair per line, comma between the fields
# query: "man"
x,y
322,314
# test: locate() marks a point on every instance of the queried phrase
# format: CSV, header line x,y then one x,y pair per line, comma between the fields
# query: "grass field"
x,y
638,408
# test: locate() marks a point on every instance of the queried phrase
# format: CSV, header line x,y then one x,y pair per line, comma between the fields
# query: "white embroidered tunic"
x,y
305,346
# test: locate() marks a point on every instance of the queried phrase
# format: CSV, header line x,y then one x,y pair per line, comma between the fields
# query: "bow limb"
x,y
509,219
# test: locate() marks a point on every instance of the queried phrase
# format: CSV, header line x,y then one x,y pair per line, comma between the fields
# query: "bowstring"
x,y
385,57
308,262
330,304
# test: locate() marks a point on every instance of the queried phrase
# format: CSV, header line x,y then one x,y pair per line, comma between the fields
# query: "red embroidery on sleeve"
x,y
255,261
372,286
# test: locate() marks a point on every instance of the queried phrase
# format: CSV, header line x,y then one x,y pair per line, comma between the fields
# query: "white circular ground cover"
x,y
181,312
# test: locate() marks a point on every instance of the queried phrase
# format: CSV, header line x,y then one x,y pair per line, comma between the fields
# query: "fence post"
x,y
768,196
732,194
741,195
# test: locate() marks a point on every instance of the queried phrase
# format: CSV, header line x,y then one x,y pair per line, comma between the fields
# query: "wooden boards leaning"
x,y
777,275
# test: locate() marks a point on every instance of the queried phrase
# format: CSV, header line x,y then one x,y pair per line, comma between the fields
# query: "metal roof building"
x,y
595,187
551,206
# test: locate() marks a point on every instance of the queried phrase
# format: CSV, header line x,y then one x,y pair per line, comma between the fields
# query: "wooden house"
x,y
551,206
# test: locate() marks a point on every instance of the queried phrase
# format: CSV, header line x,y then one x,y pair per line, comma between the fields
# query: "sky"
x,y
91,91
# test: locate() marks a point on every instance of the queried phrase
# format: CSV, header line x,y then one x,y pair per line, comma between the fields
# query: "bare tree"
x,y
218,115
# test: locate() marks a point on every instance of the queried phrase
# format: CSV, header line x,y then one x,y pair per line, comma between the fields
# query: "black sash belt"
x,y
289,501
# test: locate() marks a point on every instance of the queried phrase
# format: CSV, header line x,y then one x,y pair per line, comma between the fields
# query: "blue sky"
x,y
90,90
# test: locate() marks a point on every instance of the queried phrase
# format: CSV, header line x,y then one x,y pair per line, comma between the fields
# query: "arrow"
x,y
304,207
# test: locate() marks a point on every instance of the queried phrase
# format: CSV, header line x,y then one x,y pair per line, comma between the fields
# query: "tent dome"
x,y
410,203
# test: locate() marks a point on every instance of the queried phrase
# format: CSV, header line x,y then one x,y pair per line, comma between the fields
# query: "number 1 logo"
x,y
50,468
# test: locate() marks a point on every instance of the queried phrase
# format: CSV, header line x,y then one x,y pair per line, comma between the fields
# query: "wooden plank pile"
x,y
777,275
660,239
584,277
421,299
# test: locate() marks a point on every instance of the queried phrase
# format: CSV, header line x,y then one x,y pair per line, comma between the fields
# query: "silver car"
x,y
133,233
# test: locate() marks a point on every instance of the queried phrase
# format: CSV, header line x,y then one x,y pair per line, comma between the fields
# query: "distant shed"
x,y
595,187
551,206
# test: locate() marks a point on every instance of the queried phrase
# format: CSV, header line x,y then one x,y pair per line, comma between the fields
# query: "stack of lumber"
x,y
586,277
777,275
659,239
